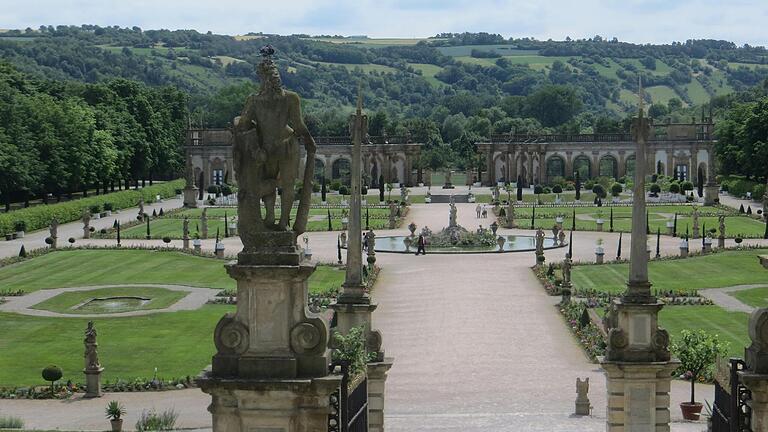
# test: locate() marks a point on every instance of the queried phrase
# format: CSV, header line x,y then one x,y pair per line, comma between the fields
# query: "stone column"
x,y
353,306
637,361
490,169
711,189
595,165
621,170
568,163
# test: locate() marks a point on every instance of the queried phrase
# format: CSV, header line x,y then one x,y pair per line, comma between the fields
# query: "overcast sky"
x,y
652,21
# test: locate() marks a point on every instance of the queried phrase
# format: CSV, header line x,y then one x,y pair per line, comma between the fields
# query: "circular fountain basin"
x,y
112,304
513,243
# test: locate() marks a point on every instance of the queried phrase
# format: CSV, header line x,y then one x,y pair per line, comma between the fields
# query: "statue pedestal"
x,y
270,371
86,233
190,197
185,244
638,395
711,194
287,405
93,382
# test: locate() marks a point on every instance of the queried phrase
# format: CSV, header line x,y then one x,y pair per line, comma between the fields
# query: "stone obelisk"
x,y
354,307
270,370
637,361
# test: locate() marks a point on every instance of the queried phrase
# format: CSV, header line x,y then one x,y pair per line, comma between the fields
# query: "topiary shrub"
x,y
52,373
343,190
108,206
95,209
315,187
616,189
71,240
226,190
599,191
336,185
20,225
686,186
557,189
538,190
213,189
166,239
674,188
655,189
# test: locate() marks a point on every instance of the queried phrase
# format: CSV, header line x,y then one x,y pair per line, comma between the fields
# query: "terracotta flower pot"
x,y
117,425
691,411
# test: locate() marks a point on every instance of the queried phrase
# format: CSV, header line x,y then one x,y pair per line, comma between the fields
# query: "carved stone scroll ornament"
x,y
230,336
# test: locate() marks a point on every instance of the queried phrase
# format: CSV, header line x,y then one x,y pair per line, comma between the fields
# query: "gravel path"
x,y
721,297
196,298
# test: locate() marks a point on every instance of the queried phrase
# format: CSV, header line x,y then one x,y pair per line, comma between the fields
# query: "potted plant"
x,y
20,226
697,352
108,208
115,412
95,211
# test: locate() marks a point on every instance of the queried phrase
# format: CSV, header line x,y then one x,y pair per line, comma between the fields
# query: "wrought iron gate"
x,y
349,409
730,412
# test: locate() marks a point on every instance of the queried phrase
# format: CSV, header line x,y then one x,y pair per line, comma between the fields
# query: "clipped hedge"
x,y
39,217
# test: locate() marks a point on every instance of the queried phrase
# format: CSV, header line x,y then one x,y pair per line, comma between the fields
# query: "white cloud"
x,y
654,21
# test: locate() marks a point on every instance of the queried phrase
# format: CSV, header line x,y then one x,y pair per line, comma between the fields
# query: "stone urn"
x,y
670,228
412,228
599,223
684,248
500,241
599,254
344,223
407,242
494,227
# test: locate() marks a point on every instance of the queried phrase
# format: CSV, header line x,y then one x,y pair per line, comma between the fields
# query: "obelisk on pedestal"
x,y
270,370
354,307
637,361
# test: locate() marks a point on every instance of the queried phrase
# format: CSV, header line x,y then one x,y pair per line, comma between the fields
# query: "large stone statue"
x,y
695,217
266,157
721,220
452,214
567,265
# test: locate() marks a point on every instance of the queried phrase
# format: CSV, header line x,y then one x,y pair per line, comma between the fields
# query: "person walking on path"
x,y
485,213
420,246
478,209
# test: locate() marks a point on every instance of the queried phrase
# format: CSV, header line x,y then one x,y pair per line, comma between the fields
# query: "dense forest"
x,y
132,91
57,137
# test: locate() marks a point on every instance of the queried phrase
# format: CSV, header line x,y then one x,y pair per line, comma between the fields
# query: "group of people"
x,y
482,212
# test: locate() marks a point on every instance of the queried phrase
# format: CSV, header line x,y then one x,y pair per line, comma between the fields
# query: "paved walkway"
x,y
36,239
722,297
478,345
196,298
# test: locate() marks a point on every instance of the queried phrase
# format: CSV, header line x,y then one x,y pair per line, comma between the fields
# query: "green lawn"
x,y
65,302
757,297
177,343
101,267
731,327
710,271
661,94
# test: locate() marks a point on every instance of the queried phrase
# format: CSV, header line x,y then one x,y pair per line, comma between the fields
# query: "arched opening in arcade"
x,y
319,170
555,168
583,166
629,167
340,170
608,167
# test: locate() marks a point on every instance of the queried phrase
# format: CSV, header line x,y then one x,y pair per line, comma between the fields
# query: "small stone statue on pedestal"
x,y
204,224
540,246
343,238
92,368
566,285
695,217
141,209
511,214
370,242
721,237
555,231
452,214
185,236
561,237
582,398
86,224
53,229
